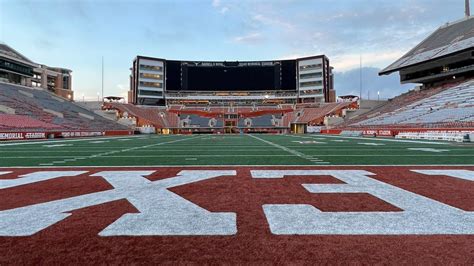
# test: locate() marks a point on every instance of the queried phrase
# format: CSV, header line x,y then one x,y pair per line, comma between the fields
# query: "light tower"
x,y
468,9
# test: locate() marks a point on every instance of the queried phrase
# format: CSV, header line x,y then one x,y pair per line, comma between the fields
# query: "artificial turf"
x,y
214,150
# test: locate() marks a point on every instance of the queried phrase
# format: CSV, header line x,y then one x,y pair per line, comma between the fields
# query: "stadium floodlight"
x,y
267,96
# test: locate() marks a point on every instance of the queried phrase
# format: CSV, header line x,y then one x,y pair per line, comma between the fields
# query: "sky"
x,y
76,34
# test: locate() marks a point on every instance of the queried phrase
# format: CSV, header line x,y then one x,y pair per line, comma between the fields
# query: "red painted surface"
x,y
75,240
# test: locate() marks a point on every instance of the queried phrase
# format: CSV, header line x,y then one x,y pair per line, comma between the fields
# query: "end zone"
x,y
318,212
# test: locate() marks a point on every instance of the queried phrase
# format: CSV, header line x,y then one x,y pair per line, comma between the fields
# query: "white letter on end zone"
x,y
420,215
162,212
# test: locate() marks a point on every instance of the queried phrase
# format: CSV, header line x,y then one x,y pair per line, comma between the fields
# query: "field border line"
x,y
242,165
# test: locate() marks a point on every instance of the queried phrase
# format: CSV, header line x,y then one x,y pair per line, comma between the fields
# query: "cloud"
x,y
123,91
251,38
381,59
224,10
272,21
207,30
389,86
217,4
344,61
344,30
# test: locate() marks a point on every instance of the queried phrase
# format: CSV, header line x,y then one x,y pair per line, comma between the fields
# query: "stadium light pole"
x,y
102,79
360,77
467,8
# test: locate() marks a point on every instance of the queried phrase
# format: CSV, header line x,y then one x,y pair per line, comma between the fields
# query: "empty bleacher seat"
x,y
43,106
437,106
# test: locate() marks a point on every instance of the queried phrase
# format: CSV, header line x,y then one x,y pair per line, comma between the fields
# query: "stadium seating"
x,y
155,116
260,121
8,121
197,121
441,106
314,114
249,116
393,105
54,112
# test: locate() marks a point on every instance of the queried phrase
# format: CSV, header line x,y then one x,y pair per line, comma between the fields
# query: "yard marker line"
x,y
82,158
428,150
36,157
203,155
297,153
308,157
57,145
129,149
241,166
370,144
392,140
161,156
62,141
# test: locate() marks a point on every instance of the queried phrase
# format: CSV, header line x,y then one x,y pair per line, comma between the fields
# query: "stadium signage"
x,y
65,134
11,135
162,212
43,135
70,134
35,135
22,135
378,132
314,129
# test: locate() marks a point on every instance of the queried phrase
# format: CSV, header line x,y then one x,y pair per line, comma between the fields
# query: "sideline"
x,y
51,141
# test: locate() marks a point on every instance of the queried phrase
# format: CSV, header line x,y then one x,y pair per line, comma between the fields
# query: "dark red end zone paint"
x,y
75,239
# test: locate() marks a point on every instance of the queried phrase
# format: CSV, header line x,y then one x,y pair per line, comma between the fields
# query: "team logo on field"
x,y
164,213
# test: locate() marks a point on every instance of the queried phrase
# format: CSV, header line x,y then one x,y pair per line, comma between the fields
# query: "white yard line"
x,y
57,145
428,150
370,144
242,165
382,139
144,151
119,151
310,158
70,158
62,141
99,141
396,155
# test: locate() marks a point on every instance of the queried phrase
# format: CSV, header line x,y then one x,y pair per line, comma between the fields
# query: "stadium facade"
x,y
159,82
16,68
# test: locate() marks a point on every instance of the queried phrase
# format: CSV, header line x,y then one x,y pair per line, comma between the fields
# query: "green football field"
x,y
207,150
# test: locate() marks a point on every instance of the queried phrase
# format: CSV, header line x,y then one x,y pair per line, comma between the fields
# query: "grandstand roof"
x,y
448,39
7,51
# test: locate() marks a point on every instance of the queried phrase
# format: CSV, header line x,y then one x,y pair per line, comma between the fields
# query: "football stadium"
x,y
241,162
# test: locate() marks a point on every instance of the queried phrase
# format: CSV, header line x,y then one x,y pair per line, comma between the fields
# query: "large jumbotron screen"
x,y
185,76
